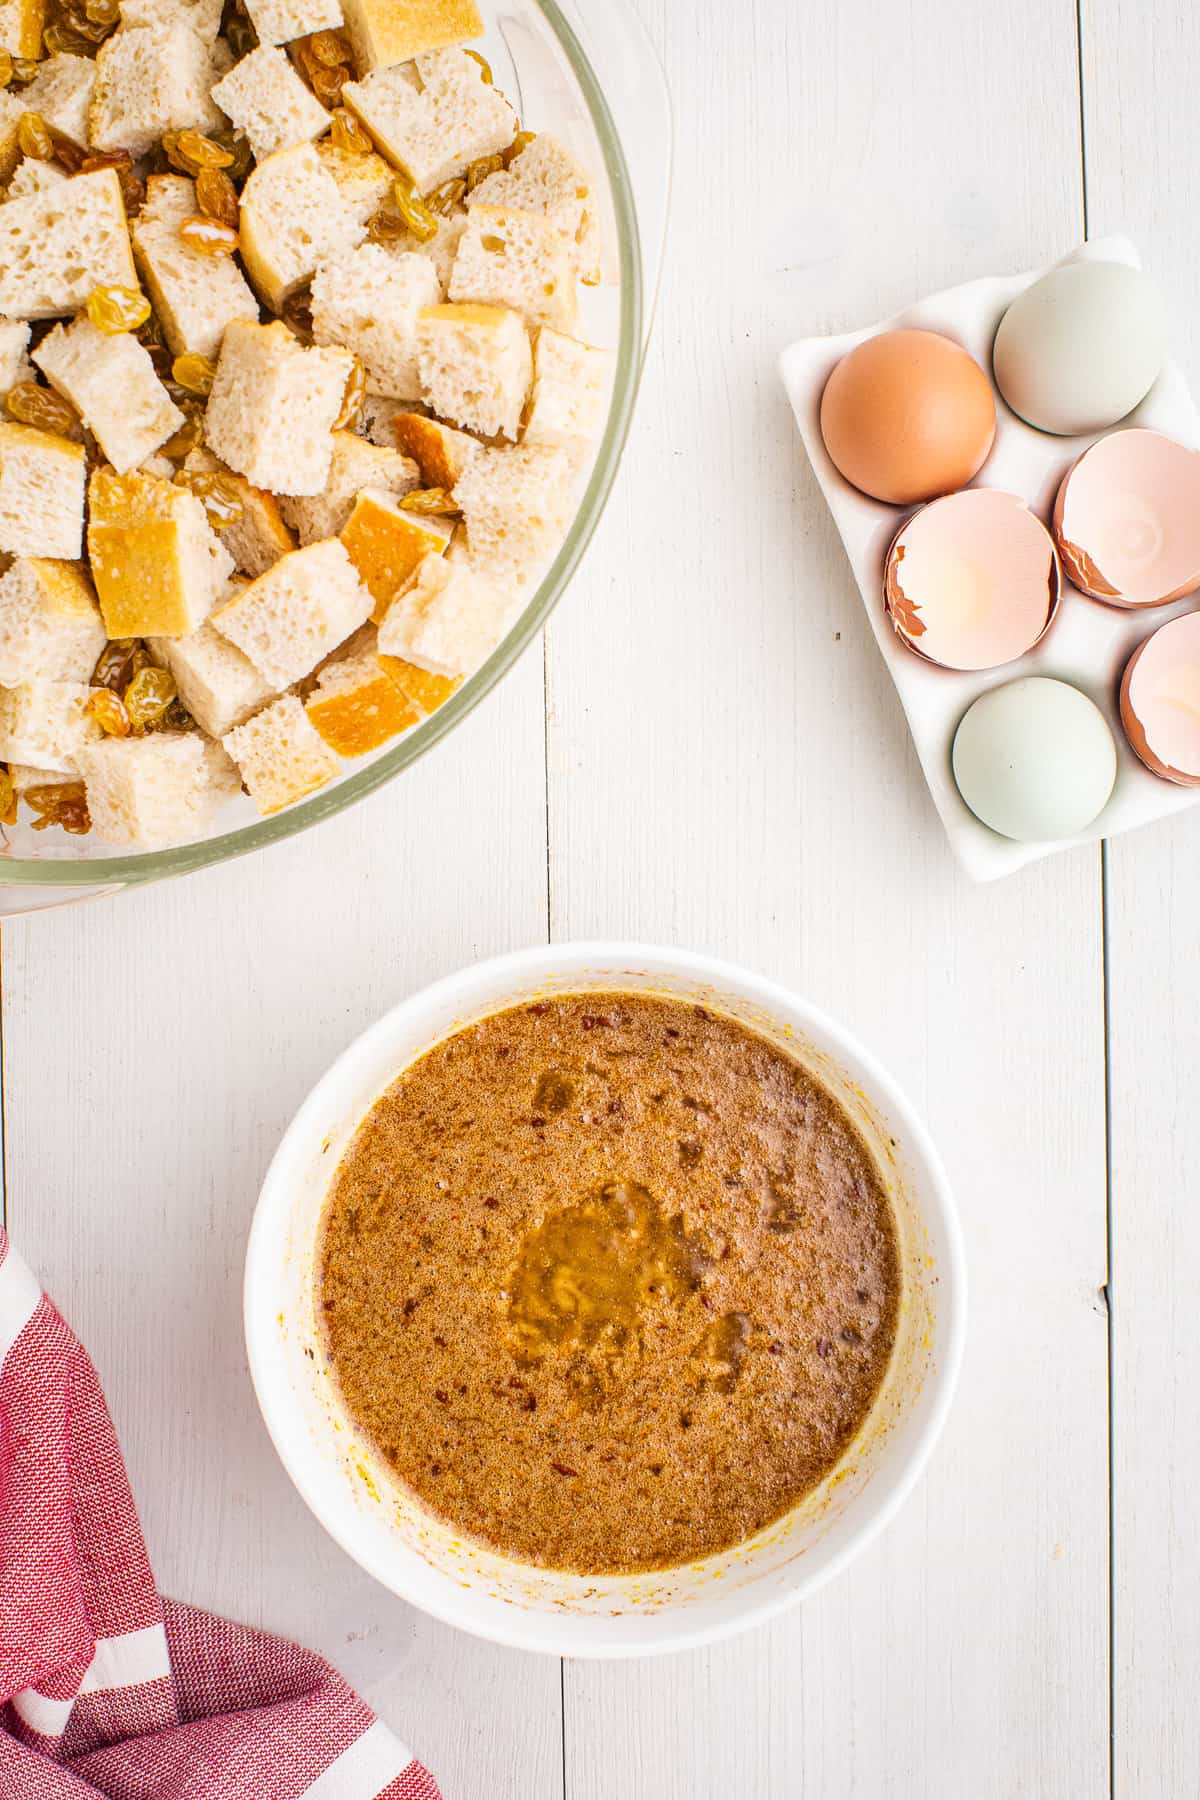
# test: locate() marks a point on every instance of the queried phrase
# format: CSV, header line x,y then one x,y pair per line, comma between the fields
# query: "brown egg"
x,y
1127,519
1160,701
908,415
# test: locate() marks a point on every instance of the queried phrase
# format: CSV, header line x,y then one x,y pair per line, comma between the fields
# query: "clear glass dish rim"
x,y
153,865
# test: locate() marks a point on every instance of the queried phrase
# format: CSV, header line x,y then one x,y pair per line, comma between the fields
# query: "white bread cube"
x,y
266,99
448,620
41,493
515,505
441,248
545,178
46,723
383,32
164,788
433,119
56,246
356,706
157,566
375,420
33,177
110,381
440,452
50,625
14,341
279,21
24,776
364,183
259,536
475,366
570,390
21,23
195,296
293,217
280,755
11,111
147,82
369,301
512,258
61,93
219,686
354,465
204,16
273,403
297,613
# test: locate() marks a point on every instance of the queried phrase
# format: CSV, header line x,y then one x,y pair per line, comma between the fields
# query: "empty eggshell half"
x,y
1034,759
907,415
1160,701
1127,519
1081,347
972,580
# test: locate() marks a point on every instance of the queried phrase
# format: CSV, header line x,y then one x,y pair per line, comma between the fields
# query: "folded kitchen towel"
x,y
107,1689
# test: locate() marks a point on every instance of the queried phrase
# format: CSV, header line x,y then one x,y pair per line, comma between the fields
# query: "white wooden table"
x,y
709,753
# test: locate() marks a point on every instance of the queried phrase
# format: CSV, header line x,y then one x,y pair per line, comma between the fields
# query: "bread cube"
x,y
149,81
14,341
21,23
61,93
545,178
195,296
448,620
280,755
293,218
50,625
434,119
34,177
161,789
475,366
375,420
204,16
363,182
266,99
258,537
56,246
383,32
423,691
272,407
297,613
516,259
386,545
157,565
24,776
440,452
441,249
110,381
354,465
515,505
11,111
219,686
369,301
41,493
570,391
356,706
279,21
47,724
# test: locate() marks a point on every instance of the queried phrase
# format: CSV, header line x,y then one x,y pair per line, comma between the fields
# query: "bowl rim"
x,y
663,1631
131,869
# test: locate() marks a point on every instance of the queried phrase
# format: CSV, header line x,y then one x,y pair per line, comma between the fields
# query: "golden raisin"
x,y
444,199
296,311
436,501
413,210
241,35
203,152
6,68
353,399
115,309
480,169
133,190
219,494
34,137
8,799
484,65
114,668
61,40
217,198
70,155
521,142
327,83
208,236
148,696
331,48
347,134
194,372
102,12
24,69
238,146
386,226
31,404
108,710
189,434
65,805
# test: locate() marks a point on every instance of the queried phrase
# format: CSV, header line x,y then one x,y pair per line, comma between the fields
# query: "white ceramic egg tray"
x,y
1088,644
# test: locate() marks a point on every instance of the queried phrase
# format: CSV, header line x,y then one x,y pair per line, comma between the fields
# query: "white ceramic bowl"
x,y
403,1546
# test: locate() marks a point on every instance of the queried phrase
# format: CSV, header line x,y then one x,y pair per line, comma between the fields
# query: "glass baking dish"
x,y
587,74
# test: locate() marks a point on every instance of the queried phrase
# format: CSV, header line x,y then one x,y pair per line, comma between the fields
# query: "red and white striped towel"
x,y
105,1688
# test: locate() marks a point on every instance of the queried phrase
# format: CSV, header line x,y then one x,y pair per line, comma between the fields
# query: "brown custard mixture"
x,y
610,1281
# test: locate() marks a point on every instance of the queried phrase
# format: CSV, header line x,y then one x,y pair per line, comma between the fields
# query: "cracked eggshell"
x,y
972,581
1127,519
1160,701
